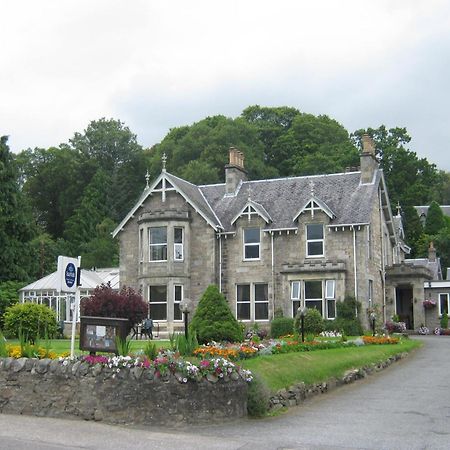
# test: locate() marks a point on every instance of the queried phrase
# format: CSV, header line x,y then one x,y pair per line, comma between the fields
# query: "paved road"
x,y
407,406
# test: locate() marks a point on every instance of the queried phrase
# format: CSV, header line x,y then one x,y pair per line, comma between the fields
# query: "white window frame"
x,y
177,302
249,302
252,301
370,292
448,302
157,303
296,300
259,302
178,245
312,241
330,297
141,245
321,299
251,244
159,244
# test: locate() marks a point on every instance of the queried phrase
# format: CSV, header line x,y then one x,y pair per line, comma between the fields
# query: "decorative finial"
x,y
311,186
147,178
399,209
164,159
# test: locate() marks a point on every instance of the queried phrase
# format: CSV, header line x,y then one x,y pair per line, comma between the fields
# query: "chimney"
x,y
234,171
369,162
431,252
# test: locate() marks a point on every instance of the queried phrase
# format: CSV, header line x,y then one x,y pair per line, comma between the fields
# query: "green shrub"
x,y
123,346
349,327
3,348
32,319
313,322
281,326
346,320
213,320
258,396
9,296
444,321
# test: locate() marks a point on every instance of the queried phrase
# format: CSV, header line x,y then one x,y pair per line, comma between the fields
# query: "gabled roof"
x,y
90,279
342,194
190,192
321,205
257,208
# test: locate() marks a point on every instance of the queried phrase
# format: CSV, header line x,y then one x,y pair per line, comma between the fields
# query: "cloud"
x,y
158,65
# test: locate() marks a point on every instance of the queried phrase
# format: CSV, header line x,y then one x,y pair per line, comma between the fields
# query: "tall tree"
x,y
435,220
17,227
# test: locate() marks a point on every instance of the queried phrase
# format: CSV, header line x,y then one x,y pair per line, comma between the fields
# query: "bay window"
x,y
178,249
295,296
158,302
158,243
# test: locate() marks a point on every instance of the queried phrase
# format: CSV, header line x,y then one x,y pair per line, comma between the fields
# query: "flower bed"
x,y
166,364
380,340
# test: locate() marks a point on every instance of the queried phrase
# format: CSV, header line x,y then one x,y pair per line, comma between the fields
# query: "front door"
x,y
404,306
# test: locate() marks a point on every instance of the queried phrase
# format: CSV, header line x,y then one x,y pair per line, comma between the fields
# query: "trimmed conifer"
x,y
213,320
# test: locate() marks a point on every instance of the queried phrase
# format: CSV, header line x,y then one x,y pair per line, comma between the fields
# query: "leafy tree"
x,y
9,296
17,226
213,319
435,220
412,226
102,250
32,320
126,304
208,142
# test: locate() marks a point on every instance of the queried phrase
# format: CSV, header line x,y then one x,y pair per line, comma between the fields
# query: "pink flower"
x,y
204,363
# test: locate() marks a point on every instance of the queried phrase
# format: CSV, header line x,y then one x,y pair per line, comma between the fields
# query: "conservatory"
x,y
45,291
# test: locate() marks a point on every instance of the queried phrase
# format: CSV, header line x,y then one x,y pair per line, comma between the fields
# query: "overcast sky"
x,y
156,65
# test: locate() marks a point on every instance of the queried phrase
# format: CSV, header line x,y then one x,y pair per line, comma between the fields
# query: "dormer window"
x,y
158,243
314,240
252,241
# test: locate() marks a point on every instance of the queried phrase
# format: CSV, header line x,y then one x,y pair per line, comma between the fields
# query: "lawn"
x,y
63,345
285,370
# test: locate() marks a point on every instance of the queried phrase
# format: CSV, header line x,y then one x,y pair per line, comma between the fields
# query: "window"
x,y
295,296
370,293
141,245
178,251
261,302
158,302
443,304
243,302
251,243
313,295
177,298
252,301
330,297
158,244
314,240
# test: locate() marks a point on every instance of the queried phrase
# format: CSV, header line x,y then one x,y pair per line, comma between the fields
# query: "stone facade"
x,y
359,242
47,388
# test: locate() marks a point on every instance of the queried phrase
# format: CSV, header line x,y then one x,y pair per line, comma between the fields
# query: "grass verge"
x,y
285,370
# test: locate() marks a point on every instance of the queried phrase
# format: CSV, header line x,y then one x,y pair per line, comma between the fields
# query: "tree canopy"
x,y
67,199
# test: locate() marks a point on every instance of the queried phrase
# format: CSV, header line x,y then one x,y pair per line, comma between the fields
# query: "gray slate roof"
x,y
282,198
423,210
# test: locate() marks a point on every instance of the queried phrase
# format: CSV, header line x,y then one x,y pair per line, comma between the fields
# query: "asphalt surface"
x,y
407,406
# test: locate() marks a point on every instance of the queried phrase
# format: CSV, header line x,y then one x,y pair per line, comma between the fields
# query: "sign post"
x,y
69,273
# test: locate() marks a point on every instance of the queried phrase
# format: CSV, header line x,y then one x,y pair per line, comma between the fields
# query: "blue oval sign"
x,y
70,275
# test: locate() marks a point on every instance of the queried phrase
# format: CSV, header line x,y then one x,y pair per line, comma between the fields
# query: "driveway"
x,y
407,406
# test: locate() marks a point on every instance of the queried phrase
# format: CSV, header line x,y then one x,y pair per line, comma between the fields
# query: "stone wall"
x,y
78,390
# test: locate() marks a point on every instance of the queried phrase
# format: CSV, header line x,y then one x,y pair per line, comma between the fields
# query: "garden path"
x,y
404,407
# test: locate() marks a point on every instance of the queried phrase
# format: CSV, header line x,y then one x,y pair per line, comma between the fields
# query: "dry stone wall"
x,y
132,395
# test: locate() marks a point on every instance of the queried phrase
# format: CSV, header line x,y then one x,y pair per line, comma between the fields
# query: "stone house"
x,y
269,245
